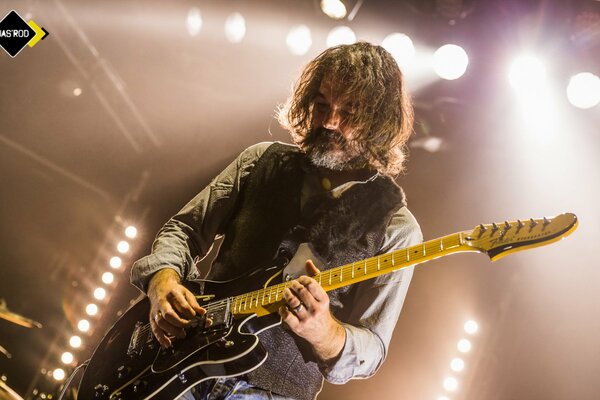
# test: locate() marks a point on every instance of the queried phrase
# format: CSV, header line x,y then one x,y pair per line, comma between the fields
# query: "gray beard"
x,y
320,151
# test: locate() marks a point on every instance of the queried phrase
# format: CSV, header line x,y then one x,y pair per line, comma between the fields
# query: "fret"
x,y
441,244
365,268
329,277
424,252
378,263
393,260
341,271
352,270
407,255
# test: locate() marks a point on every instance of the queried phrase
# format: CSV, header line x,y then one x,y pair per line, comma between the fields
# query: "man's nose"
x,y
332,120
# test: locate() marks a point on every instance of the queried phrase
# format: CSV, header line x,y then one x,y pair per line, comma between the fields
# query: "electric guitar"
x,y
129,364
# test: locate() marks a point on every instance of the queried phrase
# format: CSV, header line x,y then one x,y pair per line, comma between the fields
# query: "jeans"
x,y
229,389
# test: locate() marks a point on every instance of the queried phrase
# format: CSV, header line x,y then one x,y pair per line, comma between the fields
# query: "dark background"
x,y
161,112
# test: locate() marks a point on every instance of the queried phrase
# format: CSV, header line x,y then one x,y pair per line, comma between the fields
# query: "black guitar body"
x,y
129,364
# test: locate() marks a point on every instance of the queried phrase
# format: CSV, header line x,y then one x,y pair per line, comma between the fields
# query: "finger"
x,y
291,299
311,268
159,334
169,329
171,316
288,317
180,302
313,287
304,295
193,302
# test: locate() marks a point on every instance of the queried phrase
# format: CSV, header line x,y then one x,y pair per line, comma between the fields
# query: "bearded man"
x,y
328,199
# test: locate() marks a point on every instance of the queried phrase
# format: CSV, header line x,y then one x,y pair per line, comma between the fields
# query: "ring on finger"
x,y
298,308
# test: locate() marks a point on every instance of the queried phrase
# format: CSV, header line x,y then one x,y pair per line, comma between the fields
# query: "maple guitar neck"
x,y
267,300
495,240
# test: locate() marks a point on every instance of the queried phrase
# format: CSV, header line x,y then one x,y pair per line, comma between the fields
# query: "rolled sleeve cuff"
x,y
349,364
143,269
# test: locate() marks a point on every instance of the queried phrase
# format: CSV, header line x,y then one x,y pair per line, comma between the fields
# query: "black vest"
x,y
267,219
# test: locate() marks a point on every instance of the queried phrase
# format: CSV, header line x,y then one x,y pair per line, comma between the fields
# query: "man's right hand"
x,y
172,305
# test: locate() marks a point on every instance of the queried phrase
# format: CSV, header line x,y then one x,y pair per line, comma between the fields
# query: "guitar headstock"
x,y
500,239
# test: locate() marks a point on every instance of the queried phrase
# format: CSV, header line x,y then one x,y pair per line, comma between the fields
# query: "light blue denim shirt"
x,y
369,319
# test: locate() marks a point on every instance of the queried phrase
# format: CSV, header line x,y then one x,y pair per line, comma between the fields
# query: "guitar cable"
x,y
70,378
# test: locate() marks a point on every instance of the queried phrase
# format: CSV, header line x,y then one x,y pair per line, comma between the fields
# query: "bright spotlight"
x,y
108,278
115,262
333,8
340,35
401,47
67,357
58,374
91,309
83,325
235,28
299,40
450,61
584,90
75,342
131,232
450,384
457,364
464,346
471,327
194,21
123,247
527,72
99,293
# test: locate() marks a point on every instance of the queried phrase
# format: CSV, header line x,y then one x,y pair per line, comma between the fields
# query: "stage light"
x,y
91,309
99,293
340,35
58,374
235,28
401,47
75,342
450,61
83,325
527,72
108,278
67,357
333,9
194,21
77,92
123,247
471,327
457,364
115,262
583,90
464,346
450,384
131,232
299,40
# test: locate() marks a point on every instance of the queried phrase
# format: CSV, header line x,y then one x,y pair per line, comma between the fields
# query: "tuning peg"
x,y
494,227
520,225
507,226
482,230
532,224
546,222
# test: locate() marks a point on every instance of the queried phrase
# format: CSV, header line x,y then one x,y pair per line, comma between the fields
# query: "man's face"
x,y
332,142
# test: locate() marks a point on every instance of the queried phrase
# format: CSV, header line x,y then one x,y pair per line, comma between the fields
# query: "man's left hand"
x,y
308,315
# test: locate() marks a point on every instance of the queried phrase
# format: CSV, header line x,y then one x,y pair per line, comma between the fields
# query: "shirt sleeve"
x,y
373,308
191,232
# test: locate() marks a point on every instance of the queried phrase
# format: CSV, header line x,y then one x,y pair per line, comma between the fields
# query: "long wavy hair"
x,y
369,79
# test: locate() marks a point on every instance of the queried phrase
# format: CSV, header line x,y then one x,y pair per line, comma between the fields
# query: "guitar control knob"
x,y
101,391
123,371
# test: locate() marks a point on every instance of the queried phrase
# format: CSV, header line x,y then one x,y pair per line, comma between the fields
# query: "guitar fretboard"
x,y
267,300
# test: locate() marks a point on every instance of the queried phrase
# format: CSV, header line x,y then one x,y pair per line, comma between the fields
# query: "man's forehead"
x,y
334,90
